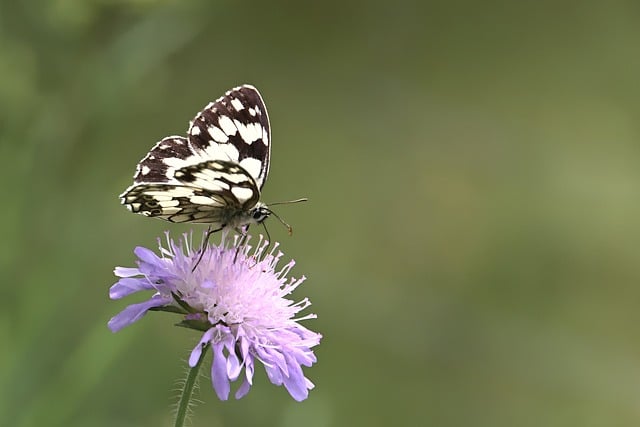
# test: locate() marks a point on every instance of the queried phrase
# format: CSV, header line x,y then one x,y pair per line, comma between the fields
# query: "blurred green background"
x,y
471,243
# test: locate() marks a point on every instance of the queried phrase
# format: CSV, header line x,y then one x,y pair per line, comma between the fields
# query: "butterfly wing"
x,y
175,203
214,174
235,128
218,191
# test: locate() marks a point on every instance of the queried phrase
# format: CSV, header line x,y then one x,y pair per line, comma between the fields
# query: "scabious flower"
x,y
237,298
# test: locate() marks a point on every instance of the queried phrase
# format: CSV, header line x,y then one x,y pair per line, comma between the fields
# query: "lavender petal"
x,y
134,312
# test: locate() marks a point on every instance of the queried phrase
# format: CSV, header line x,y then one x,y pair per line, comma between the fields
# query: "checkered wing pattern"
x,y
213,176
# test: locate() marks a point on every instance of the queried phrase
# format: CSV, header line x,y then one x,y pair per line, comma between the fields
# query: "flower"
x,y
237,298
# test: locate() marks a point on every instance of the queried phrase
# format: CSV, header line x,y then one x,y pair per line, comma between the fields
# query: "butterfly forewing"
x,y
215,175
159,163
235,128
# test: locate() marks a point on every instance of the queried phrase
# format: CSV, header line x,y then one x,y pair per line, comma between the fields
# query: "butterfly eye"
x,y
260,214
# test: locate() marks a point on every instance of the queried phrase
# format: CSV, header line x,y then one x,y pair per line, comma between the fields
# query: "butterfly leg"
x,y
266,249
205,241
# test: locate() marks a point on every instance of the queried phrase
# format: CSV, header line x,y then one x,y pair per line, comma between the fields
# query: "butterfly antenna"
x,y
289,228
303,199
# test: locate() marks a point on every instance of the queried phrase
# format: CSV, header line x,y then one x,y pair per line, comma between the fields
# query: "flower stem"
x,y
187,391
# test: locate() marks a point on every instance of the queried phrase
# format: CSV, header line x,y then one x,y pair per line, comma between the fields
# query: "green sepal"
x,y
198,325
170,309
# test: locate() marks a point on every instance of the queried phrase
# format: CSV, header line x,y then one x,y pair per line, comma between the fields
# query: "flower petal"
x,y
129,285
197,350
274,374
243,389
147,255
134,312
233,366
273,357
219,377
249,369
295,382
126,272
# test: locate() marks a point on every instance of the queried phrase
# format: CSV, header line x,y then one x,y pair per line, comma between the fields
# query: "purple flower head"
x,y
238,299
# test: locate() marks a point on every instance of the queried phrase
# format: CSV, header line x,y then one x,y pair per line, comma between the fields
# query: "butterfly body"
x,y
215,175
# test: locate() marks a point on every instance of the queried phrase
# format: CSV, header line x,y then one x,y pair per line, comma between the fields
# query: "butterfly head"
x,y
259,213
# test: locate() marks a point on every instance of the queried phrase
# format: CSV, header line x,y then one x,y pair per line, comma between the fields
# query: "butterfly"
x,y
213,176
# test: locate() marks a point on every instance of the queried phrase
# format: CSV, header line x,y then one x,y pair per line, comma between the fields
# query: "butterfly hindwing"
x,y
176,203
226,179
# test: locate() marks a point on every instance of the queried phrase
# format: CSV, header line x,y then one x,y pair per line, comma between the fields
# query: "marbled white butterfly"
x,y
214,176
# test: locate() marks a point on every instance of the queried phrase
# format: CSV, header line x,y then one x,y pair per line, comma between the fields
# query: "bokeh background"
x,y
471,243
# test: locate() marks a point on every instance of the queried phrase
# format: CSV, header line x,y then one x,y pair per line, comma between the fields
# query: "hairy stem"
x,y
187,391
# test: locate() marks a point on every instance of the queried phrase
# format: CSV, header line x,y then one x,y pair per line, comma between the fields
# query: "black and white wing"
x,y
215,175
235,128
